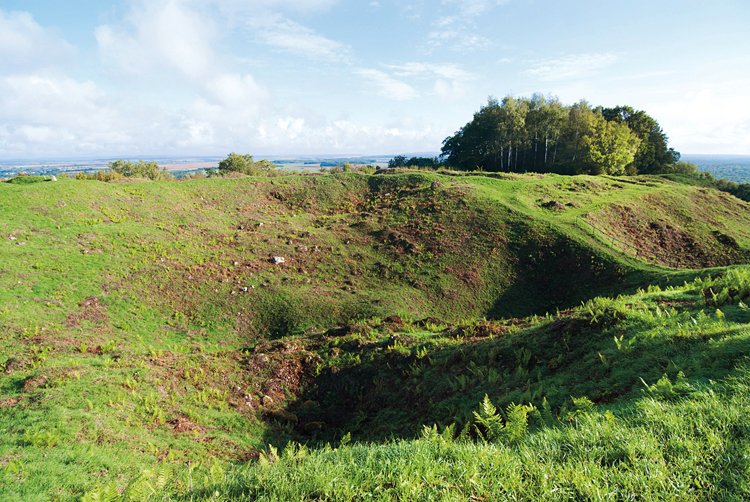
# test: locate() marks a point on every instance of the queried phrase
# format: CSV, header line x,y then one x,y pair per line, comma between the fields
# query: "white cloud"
x,y
234,90
295,38
449,71
457,31
162,34
274,5
24,44
448,81
705,119
346,136
267,21
387,86
570,66
175,40
474,8
40,113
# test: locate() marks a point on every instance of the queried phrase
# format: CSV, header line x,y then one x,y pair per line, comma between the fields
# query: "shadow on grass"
x,y
390,387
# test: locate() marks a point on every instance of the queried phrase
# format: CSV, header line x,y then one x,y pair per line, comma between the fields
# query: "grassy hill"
x,y
157,336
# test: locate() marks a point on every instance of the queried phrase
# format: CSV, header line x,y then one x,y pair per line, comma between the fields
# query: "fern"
x,y
490,425
548,418
106,493
489,419
665,389
516,421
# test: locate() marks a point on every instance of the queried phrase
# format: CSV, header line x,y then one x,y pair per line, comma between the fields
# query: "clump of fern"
x,y
491,425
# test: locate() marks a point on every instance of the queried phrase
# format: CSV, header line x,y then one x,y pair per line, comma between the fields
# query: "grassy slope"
x,y
127,334
677,428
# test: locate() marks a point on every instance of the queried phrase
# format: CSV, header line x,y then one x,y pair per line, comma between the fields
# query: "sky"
x,y
85,78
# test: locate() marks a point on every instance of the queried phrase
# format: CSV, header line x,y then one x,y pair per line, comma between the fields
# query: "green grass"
x,y
676,430
144,328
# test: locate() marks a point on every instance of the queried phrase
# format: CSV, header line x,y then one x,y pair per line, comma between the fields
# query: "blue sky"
x,y
290,77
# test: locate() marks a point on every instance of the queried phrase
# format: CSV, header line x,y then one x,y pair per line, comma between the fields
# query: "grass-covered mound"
x,y
149,326
675,428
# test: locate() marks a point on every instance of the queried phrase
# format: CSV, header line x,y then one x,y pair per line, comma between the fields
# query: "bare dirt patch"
x,y
10,402
665,242
91,310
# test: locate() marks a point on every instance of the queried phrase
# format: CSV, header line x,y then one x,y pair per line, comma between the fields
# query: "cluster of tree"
x,y
423,162
119,169
245,164
739,190
140,169
543,135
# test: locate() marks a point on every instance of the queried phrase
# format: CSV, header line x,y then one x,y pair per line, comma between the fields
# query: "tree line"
x,y
541,134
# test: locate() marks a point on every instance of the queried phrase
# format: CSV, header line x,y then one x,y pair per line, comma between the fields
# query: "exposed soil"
x,y
663,242
183,424
91,310
285,369
9,402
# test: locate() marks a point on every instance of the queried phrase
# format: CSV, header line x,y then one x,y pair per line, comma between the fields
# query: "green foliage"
x,y
653,154
415,162
610,147
139,169
665,389
490,425
23,179
540,134
245,164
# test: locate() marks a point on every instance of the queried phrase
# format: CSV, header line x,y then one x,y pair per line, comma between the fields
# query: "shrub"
x,y
23,179
245,164
140,169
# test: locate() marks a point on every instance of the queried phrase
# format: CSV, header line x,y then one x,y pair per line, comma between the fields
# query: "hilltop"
x,y
156,324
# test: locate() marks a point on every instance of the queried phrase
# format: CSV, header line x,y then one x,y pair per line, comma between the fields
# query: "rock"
x,y
53,178
266,401
278,260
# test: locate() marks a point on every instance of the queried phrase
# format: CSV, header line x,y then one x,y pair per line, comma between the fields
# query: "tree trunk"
x,y
510,153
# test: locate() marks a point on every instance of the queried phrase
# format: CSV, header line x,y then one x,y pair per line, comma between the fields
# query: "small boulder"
x,y
278,260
